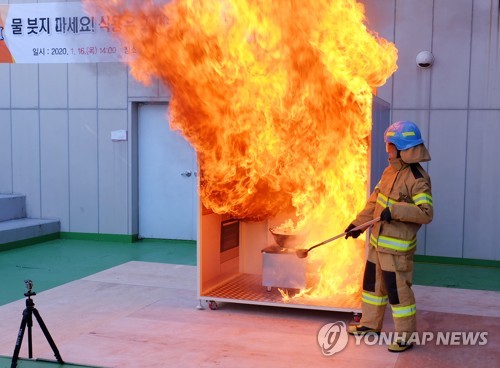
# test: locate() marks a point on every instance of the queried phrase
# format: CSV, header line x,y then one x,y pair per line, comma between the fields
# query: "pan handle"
x,y
360,227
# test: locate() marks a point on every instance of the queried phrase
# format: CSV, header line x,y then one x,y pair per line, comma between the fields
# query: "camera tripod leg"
x,y
47,336
29,324
19,340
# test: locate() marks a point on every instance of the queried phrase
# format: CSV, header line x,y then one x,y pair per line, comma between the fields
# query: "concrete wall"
x,y
456,102
56,120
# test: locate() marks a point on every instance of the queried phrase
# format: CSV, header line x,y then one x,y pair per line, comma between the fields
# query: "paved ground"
x,y
143,314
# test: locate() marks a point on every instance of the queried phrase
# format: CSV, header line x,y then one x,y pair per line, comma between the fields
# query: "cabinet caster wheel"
x,y
212,304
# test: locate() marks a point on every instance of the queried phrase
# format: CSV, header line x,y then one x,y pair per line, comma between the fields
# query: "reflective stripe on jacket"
x,y
406,189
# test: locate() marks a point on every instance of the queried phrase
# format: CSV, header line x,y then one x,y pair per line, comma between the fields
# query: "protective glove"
x,y
386,215
354,234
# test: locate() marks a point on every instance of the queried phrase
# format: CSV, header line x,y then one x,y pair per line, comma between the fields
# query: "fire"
x,y
275,97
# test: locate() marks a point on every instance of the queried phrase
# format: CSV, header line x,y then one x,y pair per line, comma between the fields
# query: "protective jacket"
x,y
405,188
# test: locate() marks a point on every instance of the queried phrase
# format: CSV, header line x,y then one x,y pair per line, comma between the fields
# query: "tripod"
x,y
27,320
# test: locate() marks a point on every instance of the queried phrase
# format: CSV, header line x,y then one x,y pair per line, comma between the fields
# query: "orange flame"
x,y
275,97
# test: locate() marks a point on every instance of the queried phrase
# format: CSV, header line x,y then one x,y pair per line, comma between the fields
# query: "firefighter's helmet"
x,y
403,134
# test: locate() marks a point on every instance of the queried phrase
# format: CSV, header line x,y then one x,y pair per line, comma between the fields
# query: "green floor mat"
x,y
457,276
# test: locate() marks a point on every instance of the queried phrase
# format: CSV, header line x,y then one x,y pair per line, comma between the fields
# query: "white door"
x,y
168,200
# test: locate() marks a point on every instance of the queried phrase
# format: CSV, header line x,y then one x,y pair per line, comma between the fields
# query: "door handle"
x,y
187,173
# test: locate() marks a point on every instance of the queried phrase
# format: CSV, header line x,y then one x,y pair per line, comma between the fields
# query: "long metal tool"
x,y
302,253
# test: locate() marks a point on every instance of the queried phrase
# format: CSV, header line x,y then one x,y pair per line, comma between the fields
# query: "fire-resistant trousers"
x,y
388,278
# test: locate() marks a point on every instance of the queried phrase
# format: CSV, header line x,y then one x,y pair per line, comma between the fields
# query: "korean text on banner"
x,y
58,33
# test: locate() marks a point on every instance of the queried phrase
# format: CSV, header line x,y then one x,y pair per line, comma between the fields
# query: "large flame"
x,y
275,97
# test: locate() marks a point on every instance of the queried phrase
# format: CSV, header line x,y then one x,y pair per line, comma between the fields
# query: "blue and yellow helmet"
x,y
403,134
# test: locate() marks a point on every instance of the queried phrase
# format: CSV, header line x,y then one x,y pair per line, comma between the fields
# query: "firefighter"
x,y
403,200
